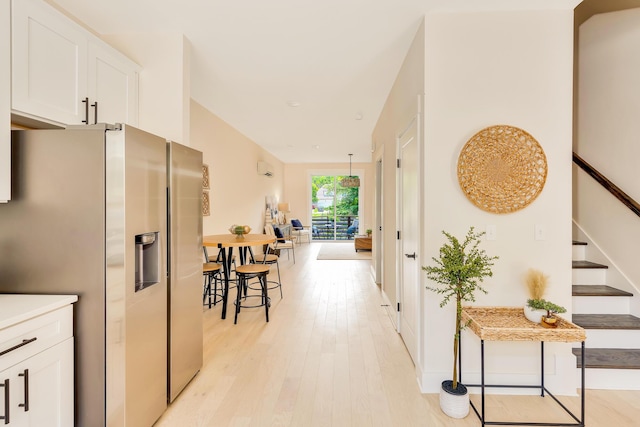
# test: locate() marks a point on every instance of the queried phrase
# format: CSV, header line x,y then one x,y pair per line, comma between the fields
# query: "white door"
x,y
409,239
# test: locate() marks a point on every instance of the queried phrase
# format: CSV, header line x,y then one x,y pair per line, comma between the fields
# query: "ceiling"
x,y
305,79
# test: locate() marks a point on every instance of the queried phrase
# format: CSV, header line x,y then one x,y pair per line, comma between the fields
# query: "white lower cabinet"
x,y
40,389
36,361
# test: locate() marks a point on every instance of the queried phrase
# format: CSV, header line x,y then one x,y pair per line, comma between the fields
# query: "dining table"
x,y
226,244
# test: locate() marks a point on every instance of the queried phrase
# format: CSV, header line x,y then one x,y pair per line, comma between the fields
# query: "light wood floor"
x,y
330,357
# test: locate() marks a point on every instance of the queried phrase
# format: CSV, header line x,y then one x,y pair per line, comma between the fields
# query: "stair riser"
x,y
612,379
612,338
589,276
601,305
579,252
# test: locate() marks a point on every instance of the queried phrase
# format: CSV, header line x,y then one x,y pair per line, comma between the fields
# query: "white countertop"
x,y
16,308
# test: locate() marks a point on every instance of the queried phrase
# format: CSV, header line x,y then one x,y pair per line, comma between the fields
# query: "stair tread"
x,y
576,242
587,264
607,321
609,358
598,291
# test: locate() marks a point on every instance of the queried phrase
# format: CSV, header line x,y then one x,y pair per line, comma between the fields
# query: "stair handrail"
x,y
607,184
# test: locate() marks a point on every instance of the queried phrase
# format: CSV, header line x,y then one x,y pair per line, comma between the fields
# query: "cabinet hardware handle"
x,y
5,417
17,346
86,111
413,255
95,112
25,405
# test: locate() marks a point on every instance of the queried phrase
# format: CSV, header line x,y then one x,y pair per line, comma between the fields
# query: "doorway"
x,y
335,209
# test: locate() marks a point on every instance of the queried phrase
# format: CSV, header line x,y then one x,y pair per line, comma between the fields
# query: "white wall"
x,y
164,82
608,129
486,69
400,108
237,192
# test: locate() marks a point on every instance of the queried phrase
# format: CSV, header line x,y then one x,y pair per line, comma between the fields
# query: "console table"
x,y
509,324
362,243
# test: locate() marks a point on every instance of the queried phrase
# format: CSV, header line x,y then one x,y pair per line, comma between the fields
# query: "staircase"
x,y
612,348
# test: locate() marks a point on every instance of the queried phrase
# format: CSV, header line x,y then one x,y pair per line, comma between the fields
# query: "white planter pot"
x,y
455,405
533,315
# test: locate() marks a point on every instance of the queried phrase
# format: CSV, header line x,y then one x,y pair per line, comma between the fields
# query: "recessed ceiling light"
x,y
317,147
293,103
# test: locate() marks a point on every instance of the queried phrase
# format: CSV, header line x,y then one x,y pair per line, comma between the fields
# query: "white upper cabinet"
x,y
62,73
112,85
49,67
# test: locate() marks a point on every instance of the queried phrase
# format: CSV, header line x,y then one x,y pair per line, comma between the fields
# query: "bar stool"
x,y
270,259
211,273
243,274
218,258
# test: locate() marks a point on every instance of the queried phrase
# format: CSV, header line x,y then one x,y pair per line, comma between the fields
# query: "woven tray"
x,y
502,169
509,324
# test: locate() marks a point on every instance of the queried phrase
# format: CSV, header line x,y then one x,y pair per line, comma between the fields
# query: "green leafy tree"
x,y
317,182
459,270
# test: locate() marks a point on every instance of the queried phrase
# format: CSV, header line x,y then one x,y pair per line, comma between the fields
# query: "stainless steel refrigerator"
x,y
184,169
88,216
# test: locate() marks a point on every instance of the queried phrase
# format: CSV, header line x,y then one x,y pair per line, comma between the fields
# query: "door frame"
x,y
378,234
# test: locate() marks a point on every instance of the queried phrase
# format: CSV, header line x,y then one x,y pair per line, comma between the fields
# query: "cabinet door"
x,y
49,60
113,85
41,388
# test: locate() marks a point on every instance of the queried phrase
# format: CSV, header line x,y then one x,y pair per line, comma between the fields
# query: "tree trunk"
x,y
456,342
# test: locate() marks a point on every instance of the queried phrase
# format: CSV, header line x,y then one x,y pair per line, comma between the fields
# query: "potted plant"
x,y
368,231
459,270
549,319
536,283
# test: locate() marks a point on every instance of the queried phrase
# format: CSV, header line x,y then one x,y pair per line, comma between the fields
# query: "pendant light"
x,y
350,181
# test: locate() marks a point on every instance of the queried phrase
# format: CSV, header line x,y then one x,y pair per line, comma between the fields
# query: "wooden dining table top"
x,y
231,240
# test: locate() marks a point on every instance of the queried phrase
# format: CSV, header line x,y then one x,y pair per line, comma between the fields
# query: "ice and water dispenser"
x,y
147,260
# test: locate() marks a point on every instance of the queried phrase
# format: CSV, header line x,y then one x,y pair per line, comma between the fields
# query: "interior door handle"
x,y
413,255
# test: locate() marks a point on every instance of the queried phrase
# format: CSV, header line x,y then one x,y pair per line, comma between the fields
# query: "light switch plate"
x,y
491,232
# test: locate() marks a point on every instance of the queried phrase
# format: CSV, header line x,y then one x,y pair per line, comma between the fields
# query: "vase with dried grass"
x,y
536,283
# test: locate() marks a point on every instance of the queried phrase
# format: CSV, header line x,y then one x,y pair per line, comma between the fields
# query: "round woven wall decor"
x,y
502,169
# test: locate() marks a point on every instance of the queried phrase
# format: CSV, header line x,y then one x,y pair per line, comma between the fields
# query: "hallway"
x,y
330,357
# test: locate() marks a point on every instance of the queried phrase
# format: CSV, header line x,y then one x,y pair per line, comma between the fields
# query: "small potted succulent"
x,y
459,270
